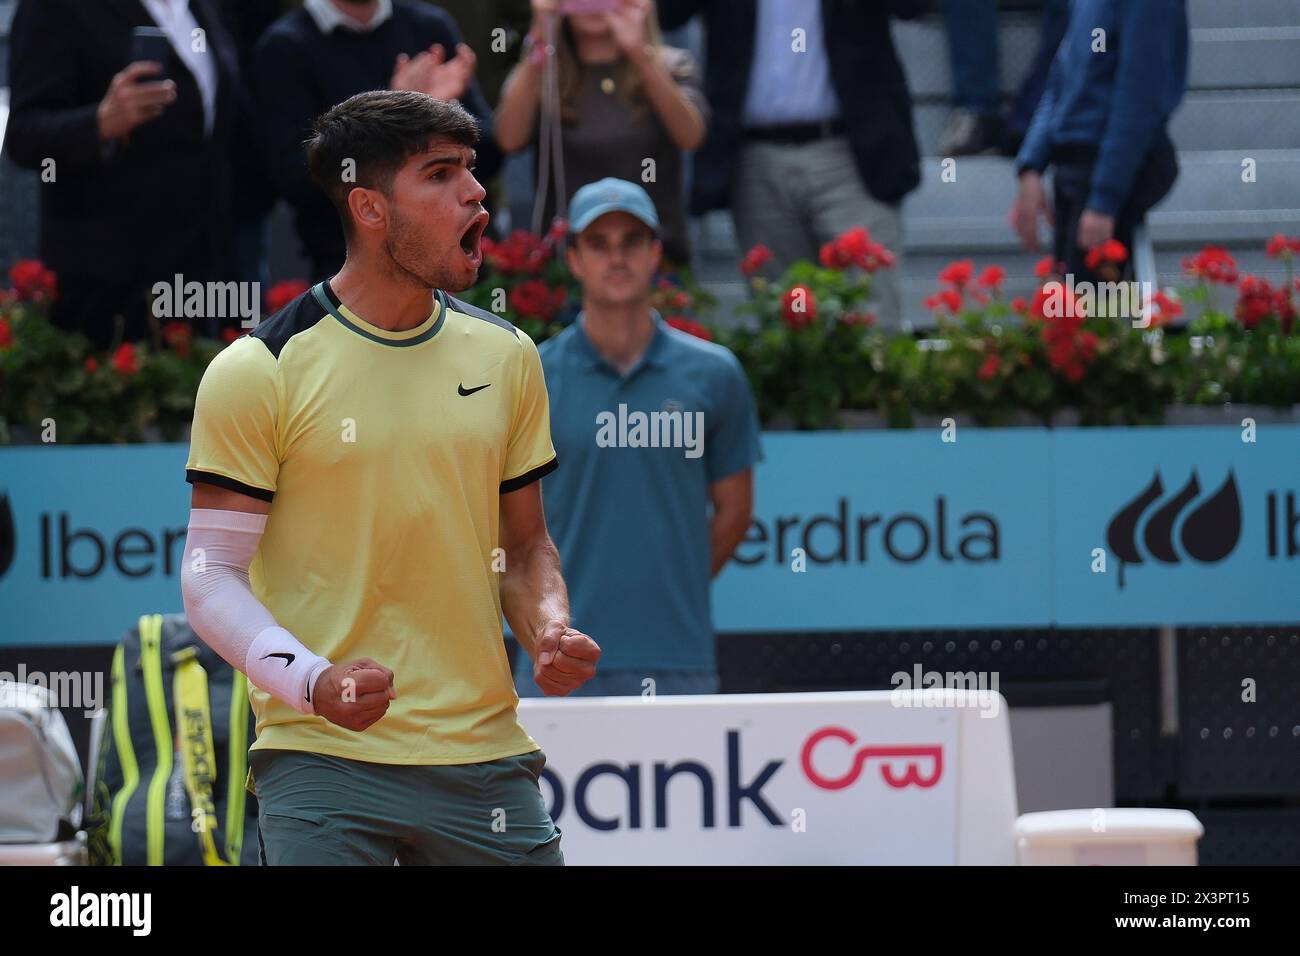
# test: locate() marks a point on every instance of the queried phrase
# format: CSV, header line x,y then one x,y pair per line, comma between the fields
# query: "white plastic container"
x,y
1107,836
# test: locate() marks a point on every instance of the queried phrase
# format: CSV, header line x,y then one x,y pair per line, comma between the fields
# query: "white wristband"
x,y
279,664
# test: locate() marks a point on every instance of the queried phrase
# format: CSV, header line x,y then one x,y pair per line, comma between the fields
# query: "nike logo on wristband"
x,y
288,658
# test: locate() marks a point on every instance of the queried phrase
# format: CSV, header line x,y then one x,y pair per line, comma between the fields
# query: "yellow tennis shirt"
x,y
384,455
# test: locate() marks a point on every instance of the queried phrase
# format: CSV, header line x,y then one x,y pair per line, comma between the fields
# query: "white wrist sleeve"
x,y
224,612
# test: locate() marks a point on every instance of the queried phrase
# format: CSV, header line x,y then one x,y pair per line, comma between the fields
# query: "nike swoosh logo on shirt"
x,y
470,391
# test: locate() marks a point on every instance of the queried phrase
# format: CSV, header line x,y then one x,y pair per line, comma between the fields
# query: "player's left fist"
x,y
565,659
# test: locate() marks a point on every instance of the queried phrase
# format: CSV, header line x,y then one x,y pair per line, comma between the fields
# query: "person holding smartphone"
x,y
129,120
325,51
628,105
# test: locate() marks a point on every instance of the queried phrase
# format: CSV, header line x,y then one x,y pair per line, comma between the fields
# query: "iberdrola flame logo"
x,y
1208,534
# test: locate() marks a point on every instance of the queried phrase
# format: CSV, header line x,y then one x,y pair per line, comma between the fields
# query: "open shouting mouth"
x,y
471,240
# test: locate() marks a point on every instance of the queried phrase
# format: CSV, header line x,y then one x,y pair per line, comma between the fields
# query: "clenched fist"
x,y
354,695
564,659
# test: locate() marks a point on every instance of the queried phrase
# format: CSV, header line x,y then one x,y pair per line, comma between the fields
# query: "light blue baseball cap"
x,y
610,195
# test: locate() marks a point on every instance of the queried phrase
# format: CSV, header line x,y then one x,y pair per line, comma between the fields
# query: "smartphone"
x,y
152,43
579,7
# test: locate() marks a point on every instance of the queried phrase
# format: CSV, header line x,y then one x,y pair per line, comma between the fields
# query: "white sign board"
x,y
835,778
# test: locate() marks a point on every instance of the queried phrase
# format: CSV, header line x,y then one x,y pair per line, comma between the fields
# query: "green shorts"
x,y
318,810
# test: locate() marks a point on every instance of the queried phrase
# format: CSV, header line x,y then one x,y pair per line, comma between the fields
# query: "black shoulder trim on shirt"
x,y
298,316
230,484
528,477
474,311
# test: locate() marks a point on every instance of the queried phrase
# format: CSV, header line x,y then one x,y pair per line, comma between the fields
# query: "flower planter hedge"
x,y
808,342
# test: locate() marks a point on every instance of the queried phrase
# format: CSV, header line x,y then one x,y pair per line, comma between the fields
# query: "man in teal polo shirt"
x,y
658,434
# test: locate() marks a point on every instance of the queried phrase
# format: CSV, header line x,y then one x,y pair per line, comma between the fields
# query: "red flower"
x,y
1112,250
882,256
991,277
1088,345
1018,304
91,365
757,257
1282,247
31,280
230,334
6,334
1060,323
535,299
798,307
125,360
1257,299
947,298
1057,306
990,367
284,292
178,335
520,253
834,256
856,242
1165,309
1212,264
692,328
957,273
1045,267
559,229
1254,301
855,248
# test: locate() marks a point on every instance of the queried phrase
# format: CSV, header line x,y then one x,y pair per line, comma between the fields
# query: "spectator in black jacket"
x,y
329,50
811,132
135,178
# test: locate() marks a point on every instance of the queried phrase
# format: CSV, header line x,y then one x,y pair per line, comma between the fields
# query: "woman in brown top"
x,y
625,98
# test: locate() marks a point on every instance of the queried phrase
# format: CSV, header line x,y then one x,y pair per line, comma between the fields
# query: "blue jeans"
x,y
973,53
623,683
1056,16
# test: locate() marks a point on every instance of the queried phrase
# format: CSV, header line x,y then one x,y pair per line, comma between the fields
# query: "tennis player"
x,y
365,504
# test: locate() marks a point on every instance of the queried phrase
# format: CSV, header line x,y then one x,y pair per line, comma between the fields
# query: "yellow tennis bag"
x,y
169,780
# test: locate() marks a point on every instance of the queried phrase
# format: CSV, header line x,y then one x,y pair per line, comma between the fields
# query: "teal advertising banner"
x,y
851,530
855,530
1196,526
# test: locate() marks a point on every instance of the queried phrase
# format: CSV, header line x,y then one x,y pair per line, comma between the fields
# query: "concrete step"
x,y
1208,203
1251,119
922,47
1250,13
1234,57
